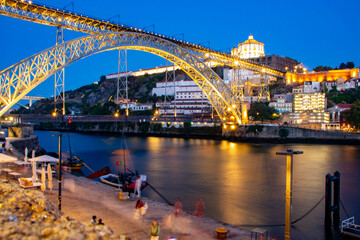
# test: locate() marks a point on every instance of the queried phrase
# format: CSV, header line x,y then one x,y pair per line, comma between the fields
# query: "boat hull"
x,y
110,179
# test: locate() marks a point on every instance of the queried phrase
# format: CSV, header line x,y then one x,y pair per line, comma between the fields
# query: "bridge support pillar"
x,y
59,91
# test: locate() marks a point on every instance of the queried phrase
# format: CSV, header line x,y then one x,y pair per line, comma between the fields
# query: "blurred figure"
x,y
140,209
93,220
125,187
100,222
178,207
138,186
199,208
155,230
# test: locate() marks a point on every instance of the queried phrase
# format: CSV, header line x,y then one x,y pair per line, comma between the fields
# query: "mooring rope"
x,y
308,212
279,225
342,205
168,202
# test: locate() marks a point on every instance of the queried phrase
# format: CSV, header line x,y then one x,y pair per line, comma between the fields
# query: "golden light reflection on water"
x,y
233,179
241,183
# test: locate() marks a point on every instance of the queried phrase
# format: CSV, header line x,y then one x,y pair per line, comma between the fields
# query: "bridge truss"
x,y
61,18
17,80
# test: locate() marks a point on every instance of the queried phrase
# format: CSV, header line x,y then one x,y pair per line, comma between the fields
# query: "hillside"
x,y
98,98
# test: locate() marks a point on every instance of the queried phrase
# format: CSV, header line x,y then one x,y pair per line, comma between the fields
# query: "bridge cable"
x,y
342,205
279,225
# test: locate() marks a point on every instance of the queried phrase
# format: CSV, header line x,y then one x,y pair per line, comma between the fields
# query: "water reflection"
x,y
241,183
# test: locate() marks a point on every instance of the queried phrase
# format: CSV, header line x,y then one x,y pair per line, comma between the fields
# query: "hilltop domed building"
x,y
249,49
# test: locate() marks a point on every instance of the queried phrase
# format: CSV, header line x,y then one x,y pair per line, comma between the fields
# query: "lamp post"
x,y
59,180
289,169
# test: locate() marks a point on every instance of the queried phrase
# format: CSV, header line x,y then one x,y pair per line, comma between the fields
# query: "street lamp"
x,y
60,177
289,170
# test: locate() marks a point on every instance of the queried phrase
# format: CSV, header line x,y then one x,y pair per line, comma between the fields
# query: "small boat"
x,y
117,180
127,176
349,229
73,162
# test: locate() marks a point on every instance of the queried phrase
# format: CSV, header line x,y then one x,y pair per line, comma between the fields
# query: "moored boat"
x,y
349,229
73,162
127,176
117,180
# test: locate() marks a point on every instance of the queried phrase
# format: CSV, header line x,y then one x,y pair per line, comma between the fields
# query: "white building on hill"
x,y
249,49
189,98
167,88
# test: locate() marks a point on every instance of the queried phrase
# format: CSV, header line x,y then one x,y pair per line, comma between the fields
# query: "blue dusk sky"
x,y
313,32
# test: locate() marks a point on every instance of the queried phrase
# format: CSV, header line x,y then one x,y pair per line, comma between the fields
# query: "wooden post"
x,y
336,207
328,196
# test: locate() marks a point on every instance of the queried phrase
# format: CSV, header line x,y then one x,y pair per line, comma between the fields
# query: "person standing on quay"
x,y
155,230
138,186
178,207
199,208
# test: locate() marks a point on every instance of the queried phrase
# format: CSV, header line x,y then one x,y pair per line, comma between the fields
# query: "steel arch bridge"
x,y
19,79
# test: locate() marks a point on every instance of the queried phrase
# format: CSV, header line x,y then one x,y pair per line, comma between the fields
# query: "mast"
x,y
123,138
70,149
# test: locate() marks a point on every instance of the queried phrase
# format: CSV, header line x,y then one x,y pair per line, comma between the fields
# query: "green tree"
x,y
322,68
262,111
283,133
342,66
353,115
255,129
350,65
144,127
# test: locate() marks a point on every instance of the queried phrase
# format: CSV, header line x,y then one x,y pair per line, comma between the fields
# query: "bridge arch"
x,y
19,79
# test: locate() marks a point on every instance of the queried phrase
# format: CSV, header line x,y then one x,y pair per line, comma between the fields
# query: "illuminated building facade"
x,y
277,62
335,111
189,99
187,103
249,49
309,108
167,88
134,106
141,72
281,105
309,102
330,76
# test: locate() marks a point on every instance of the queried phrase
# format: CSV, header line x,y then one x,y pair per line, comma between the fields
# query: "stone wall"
x,y
285,132
31,143
21,131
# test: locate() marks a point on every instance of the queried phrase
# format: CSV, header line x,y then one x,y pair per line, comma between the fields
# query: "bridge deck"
x,y
62,18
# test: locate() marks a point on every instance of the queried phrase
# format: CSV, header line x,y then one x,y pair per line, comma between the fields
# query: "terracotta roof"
x,y
344,105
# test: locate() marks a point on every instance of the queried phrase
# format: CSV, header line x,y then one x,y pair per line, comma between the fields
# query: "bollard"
x,y
221,233
328,196
332,200
336,208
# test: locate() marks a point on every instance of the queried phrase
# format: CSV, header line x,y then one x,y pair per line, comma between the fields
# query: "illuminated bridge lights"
x,y
16,82
49,16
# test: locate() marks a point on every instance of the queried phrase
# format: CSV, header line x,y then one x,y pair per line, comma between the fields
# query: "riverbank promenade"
x,y
82,198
